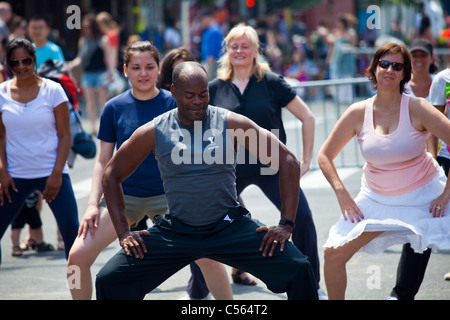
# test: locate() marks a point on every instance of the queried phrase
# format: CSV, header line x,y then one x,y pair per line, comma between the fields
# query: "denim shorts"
x,y
93,79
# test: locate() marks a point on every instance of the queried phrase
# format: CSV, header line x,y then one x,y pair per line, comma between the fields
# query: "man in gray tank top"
x,y
185,154
195,145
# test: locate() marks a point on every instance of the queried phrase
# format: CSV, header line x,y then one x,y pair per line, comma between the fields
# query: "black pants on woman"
x,y
412,266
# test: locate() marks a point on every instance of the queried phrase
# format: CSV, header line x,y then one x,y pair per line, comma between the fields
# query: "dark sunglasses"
x,y
384,64
26,62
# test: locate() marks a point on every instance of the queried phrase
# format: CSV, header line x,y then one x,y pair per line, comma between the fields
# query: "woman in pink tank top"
x,y
404,196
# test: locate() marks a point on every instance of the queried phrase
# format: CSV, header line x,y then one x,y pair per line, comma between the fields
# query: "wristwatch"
x,y
287,222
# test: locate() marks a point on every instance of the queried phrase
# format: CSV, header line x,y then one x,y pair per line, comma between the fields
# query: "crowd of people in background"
x,y
327,52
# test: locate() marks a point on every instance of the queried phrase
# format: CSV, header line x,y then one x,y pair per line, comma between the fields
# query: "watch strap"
x,y
287,222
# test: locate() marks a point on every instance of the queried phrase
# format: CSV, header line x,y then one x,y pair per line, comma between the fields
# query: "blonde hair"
x,y
225,71
105,18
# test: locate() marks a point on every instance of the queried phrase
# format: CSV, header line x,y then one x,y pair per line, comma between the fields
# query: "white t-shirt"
x,y
31,136
410,91
439,96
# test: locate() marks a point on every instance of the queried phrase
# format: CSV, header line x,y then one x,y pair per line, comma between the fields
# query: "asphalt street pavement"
x,y
42,276
370,277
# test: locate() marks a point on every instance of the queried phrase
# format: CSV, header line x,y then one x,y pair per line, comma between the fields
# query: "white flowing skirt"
x,y
404,219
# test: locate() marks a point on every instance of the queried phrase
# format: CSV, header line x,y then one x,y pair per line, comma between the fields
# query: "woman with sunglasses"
x,y
412,266
35,141
404,195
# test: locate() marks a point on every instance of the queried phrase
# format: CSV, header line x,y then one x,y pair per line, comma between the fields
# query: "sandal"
x,y
61,245
42,247
30,243
246,281
16,251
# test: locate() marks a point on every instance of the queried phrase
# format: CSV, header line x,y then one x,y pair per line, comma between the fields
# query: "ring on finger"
x,y
275,241
438,207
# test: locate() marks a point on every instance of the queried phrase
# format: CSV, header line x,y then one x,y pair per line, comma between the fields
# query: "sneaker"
x,y
322,295
447,276
391,298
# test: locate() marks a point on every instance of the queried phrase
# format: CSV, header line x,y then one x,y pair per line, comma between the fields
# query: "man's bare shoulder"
x,y
144,133
238,121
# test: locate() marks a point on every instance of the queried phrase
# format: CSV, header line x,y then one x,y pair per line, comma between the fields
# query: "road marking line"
x,y
316,180
312,180
82,188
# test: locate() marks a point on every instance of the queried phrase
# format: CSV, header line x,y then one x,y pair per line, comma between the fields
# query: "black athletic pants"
x,y
172,245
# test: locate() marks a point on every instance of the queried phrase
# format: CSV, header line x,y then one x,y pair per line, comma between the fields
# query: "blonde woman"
x,y
246,85
111,31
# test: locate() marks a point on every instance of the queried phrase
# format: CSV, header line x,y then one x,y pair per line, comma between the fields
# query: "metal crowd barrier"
x,y
327,104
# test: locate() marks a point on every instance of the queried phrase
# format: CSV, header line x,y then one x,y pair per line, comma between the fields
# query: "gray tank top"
x,y
197,165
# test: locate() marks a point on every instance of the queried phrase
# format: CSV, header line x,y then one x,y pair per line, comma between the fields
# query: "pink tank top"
x,y
396,163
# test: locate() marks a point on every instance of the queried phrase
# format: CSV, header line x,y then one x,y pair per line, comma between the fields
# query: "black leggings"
x,y
412,266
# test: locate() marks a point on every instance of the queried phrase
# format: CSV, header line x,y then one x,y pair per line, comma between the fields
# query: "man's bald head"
x,y
190,90
186,70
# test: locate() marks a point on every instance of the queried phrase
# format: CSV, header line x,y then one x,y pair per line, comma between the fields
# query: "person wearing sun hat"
x,y
424,46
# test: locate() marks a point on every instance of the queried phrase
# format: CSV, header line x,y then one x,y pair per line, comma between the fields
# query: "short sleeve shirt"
x,y
121,116
439,95
211,45
262,102
50,51
32,139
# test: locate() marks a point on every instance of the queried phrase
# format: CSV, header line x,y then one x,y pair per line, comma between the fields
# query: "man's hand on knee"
x,y
275,235
132,242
